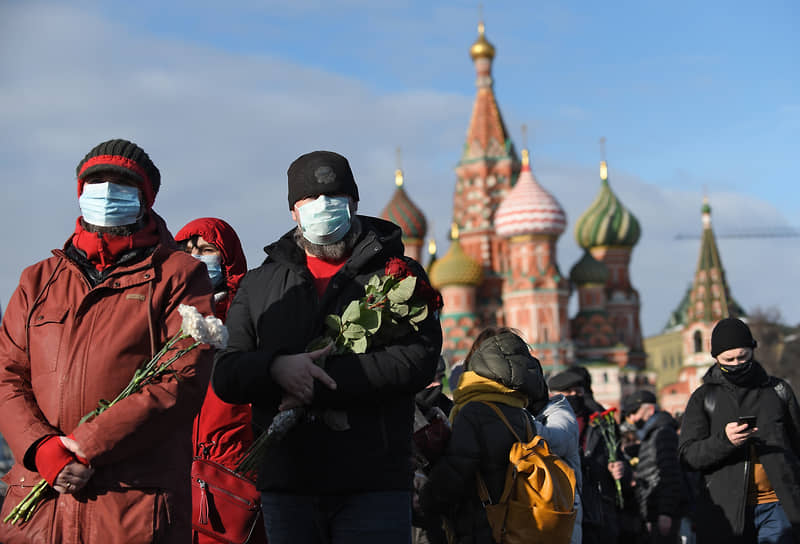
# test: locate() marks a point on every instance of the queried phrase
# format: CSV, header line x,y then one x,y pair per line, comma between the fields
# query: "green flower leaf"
x,y
399,310
403,290
374,282
370,320
354,331
360,345
352,312
333,323
419,314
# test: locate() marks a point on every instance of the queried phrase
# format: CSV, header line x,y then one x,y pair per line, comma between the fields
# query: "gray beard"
x,y
122,230
330,252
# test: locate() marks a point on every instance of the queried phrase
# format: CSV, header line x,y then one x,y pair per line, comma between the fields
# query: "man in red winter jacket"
x,y
222,432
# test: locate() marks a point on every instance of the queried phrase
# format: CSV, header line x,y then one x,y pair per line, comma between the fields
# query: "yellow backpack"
x,y
537,504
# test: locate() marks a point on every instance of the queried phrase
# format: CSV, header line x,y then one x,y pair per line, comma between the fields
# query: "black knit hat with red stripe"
x,y
124,158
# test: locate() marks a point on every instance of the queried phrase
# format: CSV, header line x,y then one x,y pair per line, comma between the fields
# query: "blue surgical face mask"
x,y
110,204
325,220
214,268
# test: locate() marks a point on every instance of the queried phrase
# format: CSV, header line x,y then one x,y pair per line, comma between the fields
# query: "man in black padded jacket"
x,y
343,483
750,490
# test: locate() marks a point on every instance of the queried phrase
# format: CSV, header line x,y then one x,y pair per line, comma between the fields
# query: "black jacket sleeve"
x,y
793,418
701,447
668,493
241,370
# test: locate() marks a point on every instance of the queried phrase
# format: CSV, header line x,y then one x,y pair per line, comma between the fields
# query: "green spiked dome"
x,y
404,213
455,267
588,270
607,222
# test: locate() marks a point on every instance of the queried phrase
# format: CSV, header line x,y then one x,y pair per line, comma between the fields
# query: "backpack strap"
x,y
502,416
781,390
483,491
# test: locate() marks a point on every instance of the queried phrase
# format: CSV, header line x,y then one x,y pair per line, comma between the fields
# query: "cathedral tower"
x,y
484,176
609,232
535,294
709,299
457,275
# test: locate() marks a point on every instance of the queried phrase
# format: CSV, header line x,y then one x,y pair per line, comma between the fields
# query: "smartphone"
x,y
749,420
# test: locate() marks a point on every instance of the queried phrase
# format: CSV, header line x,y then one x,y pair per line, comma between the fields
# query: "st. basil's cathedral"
x,y
501,268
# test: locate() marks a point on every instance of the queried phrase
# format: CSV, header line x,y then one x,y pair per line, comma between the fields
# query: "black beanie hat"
x,y
730,333
320,173
125,158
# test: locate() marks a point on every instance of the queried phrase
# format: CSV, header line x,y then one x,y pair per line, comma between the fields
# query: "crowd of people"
x,y
380,453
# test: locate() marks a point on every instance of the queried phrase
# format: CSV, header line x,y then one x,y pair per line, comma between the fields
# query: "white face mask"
x,y
110,204
214,268
325,220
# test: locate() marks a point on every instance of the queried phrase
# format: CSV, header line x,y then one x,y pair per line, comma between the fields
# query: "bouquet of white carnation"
x,y
208,330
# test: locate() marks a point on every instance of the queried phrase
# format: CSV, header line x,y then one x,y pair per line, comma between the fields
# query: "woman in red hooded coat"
x,y
222,432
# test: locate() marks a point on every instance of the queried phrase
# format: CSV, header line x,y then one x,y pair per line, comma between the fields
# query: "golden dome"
x,y
481,48
456,267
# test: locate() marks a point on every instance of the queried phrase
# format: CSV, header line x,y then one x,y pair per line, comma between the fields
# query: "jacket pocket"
x,y
45,336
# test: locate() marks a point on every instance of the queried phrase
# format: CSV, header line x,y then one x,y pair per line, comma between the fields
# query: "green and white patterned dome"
x,y
607,222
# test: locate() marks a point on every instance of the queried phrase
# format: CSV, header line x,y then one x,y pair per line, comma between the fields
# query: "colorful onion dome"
x,y
404,213
528,208
607,222
455,267
589,270
481,48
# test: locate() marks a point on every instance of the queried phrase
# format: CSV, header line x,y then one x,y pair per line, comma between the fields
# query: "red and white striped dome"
x,y
528,208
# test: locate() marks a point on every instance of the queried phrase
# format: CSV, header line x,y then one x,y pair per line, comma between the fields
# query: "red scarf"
x,y
103,249
323,271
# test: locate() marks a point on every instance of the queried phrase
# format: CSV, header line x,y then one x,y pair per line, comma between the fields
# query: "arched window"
x,y
698,341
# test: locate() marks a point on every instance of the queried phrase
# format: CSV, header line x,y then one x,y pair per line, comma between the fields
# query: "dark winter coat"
x,y
726,468
480,443
601,515
277,311
659,481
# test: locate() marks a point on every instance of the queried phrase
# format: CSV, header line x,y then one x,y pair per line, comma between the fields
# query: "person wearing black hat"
x,y
77,329
741,431
659,482
346,482
601,512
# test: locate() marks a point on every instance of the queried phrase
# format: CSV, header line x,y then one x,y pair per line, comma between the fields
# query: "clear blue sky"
x,y
693,98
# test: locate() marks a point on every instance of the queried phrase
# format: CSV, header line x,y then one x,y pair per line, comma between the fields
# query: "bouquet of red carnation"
x,y
393,305
607,425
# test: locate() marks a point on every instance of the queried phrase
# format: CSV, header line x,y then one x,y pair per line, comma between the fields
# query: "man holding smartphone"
x,y
741,430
